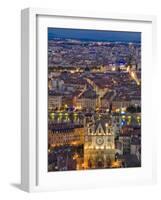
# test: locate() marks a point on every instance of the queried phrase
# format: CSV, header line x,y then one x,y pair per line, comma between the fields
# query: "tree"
x,y
138,109
131,109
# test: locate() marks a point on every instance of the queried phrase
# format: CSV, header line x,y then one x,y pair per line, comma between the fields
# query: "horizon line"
x,y
94,35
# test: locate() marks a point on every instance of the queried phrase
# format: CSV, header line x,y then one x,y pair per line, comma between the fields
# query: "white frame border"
x,y
29,84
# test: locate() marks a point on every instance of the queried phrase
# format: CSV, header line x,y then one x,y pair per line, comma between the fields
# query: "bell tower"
x,y
99,145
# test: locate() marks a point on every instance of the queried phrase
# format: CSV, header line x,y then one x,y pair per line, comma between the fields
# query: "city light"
x,y
116,164
132,74
65,106
52,115
113,68
118,110
106,125
60,114
128,68
94,103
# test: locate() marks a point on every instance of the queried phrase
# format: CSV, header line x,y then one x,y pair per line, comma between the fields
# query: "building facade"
x,y
88,100
64,134
54,101
99,145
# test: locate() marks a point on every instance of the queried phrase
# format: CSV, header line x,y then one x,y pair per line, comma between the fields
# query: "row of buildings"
x,y
105,142
91,100
115,90
94,104
74,53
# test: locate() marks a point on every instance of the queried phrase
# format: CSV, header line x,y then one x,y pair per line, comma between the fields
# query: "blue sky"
x,y
99,35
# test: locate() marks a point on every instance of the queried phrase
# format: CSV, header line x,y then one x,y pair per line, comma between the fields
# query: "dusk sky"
x,y
97,35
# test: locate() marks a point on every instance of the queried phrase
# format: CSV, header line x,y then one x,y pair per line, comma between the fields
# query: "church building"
x,y
99,145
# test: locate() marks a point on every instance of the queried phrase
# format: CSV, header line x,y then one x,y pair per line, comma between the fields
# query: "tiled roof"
x,y
90,94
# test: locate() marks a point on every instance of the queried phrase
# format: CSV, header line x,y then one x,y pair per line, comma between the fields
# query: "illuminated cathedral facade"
x,y
99,145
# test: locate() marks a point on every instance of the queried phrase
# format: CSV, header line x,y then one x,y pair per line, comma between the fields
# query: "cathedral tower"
x,y
99,145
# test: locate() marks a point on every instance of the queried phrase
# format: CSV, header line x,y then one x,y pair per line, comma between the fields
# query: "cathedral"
x,y
99,145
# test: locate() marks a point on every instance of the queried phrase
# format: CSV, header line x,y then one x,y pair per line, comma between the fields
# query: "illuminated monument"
x,y
99,145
